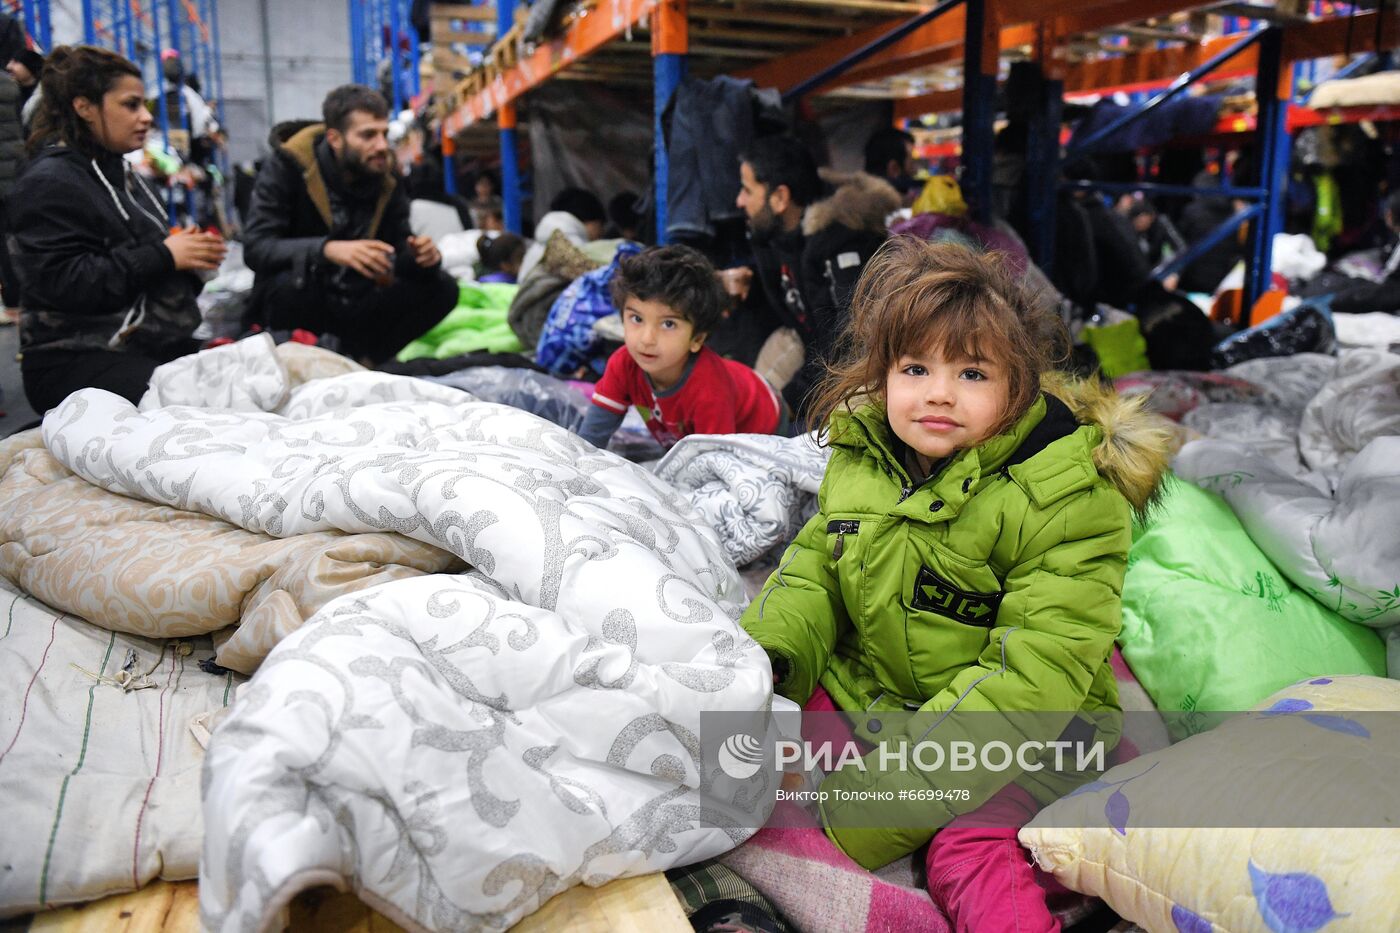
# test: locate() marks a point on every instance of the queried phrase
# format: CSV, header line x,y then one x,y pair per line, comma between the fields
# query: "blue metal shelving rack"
x,y
380,31
35,16
142,30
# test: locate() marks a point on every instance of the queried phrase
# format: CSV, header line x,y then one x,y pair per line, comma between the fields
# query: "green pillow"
x,y
1209,624
1120,347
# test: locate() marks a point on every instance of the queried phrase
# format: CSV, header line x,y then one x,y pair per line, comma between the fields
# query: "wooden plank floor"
x,y
628,905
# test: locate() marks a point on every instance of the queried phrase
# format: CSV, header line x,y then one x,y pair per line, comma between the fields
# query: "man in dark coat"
x,y
328,235
809,253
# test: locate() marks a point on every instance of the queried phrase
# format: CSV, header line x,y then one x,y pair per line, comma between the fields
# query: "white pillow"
x,y
1123,837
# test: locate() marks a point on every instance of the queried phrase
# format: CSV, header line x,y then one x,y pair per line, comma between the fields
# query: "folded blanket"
x,y
819,889
100,786
456,749
755,491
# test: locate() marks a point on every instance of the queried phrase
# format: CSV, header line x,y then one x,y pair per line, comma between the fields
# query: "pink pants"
x,y
978,874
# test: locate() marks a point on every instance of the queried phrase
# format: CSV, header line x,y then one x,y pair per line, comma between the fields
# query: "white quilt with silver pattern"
x,y
456,749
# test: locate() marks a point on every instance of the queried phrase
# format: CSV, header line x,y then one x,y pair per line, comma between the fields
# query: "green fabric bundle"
x,y
1209,624
1120,347
478,323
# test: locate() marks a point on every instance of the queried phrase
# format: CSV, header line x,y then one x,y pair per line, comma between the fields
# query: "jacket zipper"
x,y
841,528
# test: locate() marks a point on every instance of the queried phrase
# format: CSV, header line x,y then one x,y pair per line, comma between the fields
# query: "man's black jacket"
x,y
301,200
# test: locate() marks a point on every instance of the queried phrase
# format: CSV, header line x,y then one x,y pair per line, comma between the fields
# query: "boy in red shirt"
x,y
670,301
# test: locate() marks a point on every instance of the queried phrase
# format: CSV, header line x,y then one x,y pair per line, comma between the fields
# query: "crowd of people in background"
x,y
328,230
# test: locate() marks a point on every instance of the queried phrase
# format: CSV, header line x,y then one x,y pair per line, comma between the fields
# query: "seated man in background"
x,y
328,235
889,154
808,250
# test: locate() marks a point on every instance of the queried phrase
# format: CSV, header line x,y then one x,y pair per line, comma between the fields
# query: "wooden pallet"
x,y
628,905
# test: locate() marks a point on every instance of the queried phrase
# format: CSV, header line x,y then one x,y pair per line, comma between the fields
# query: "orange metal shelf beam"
x,y
908,108
1234,125
941,40
1303,117
605,22
1011,37
1156,69
1069,18
1329,37
1160,65
1133,72
790,70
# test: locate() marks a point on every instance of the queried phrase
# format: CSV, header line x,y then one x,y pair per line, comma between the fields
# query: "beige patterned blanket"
x,y
160,572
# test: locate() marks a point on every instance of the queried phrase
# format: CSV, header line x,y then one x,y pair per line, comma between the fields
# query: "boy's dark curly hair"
x,y
678,277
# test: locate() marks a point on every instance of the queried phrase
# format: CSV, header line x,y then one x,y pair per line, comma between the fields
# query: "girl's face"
x,y
938,405
121,121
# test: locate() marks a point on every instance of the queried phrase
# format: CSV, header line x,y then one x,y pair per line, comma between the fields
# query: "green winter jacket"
x,y
994,585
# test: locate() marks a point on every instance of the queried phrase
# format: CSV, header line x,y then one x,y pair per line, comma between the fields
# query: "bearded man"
x,y
808,253
328,238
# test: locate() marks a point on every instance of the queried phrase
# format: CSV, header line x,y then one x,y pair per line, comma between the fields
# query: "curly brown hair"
x,y
915,297
71,72
678,277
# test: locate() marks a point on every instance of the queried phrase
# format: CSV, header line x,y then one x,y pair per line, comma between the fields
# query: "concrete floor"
x,y
15,412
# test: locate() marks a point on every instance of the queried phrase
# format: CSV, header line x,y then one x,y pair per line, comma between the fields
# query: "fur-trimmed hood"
x,y
283,132
301,144
1136,448
860,202
298,141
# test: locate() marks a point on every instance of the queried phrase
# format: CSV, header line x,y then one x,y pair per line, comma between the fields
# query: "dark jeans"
x,y
372,328
50,376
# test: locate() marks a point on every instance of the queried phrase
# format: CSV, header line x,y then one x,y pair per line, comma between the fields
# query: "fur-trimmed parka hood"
x,y
298,141
1136,448
860,202
283,132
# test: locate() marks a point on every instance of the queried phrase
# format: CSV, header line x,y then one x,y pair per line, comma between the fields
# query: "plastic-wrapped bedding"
x,y
1330,526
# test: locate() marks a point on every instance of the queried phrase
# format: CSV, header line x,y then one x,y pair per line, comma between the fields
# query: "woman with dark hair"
x,y
109,289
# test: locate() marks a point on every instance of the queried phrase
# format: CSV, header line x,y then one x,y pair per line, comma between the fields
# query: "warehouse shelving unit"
x,y
1274,52
34,14
141,30
886,46
382,37
606,42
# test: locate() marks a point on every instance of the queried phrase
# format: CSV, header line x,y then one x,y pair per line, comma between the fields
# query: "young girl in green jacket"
x,y
968,554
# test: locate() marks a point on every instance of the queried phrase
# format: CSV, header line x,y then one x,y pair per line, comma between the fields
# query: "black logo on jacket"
x,y
934,594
